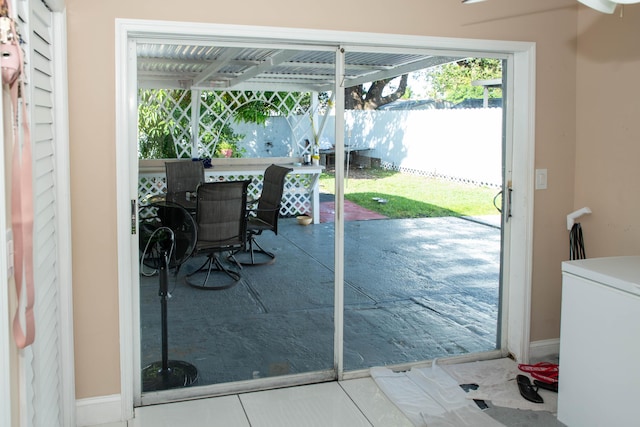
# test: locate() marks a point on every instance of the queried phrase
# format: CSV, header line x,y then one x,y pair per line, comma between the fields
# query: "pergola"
x,y
226,66
247,72
222,66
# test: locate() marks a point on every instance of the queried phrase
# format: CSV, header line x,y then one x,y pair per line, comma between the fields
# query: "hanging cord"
x,y
170,255
151,241
576,242
22,215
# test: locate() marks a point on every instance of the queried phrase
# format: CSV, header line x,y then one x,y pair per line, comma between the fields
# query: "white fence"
x,y
459,144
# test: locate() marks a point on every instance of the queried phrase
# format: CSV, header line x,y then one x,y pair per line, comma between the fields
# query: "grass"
x,y
412,196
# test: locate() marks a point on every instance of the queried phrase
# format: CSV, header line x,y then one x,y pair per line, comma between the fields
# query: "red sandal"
x,y
543,371
545,367
549,378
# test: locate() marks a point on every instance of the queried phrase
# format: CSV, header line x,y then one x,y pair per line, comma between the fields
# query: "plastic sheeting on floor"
x,y
431,397
496,381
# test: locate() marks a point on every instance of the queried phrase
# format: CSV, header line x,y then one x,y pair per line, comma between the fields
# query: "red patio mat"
x,y
352,212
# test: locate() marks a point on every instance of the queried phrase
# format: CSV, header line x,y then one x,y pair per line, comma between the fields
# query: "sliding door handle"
x,y
505,202
494,201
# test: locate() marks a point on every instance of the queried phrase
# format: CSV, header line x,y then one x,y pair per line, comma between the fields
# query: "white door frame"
x,y
520,127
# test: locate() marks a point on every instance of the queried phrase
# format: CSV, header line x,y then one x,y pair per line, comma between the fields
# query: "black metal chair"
x,y
183,176
263,215
221,213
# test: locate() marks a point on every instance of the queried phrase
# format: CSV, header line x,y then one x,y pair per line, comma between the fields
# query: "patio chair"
x,y
263,215
221,226
183,177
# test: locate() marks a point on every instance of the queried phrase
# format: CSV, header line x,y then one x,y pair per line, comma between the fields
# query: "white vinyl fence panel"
x,y
457,144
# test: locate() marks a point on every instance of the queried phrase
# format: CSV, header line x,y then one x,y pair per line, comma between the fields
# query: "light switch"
x,y
541,179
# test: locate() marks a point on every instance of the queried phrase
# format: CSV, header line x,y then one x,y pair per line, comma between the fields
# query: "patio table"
x,y
330,153
187,202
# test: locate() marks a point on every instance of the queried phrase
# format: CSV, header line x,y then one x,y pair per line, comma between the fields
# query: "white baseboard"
x,y
99,410
541,350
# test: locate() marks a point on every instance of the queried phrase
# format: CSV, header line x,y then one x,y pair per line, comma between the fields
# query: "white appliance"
x,y
599,381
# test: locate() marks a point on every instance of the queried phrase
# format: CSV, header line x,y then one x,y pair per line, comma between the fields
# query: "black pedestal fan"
x,y
167,239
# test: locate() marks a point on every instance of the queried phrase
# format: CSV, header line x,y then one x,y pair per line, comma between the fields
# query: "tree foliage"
x,y
452,82
362,98
155,140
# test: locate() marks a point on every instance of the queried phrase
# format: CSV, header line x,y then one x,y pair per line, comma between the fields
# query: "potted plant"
x,y
225,149
228,149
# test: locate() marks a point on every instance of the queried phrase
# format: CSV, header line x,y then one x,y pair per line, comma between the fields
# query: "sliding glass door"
x,y
422,233
402,262
276,324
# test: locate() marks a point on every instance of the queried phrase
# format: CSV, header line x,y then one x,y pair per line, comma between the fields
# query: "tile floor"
x,y
350,403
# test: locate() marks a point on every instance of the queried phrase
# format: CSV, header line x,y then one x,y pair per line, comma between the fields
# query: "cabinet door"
x,y
599,353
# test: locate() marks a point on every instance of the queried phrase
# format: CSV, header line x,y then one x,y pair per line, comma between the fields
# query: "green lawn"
x,y
412,196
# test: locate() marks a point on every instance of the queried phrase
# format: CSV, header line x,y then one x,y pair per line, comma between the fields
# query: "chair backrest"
x,y
183,176
271,196
221,215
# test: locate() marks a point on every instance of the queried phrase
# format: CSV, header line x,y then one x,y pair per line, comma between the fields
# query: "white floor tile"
x,y
223,411
325,405
119,424
379,410
322,405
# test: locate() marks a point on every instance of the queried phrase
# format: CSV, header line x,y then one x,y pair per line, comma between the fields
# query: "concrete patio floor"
x,y
415,289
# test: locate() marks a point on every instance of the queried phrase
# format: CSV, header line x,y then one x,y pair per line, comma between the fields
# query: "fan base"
x,y
177,374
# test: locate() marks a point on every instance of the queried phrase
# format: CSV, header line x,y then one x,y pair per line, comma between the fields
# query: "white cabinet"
x,y
599,383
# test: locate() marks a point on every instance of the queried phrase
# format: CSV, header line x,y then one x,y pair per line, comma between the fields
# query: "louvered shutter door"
x,y
42,369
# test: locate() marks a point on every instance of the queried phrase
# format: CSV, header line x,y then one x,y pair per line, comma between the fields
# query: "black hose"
x,y
576,242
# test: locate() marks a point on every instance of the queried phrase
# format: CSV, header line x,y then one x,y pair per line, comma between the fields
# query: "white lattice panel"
x,y
296,198
217,108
